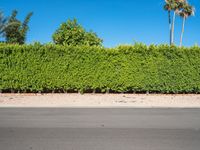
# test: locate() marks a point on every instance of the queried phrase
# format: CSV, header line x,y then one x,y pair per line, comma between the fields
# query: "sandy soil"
x,y
99,100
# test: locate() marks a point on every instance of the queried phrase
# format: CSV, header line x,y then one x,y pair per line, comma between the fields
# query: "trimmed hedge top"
x,y
138,68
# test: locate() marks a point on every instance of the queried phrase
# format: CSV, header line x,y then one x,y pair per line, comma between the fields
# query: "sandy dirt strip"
x,y
99,100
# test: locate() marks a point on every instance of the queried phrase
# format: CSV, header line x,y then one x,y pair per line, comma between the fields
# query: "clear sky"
x,y
115,21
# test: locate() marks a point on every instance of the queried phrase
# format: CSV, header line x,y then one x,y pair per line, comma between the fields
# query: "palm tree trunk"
x,y
170,28
183,27
173,22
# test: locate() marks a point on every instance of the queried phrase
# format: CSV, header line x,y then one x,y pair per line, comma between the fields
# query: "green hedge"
x,y
138,68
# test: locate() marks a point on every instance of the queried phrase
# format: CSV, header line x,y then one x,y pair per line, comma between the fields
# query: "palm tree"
x,y
2,23
168,7
15,30
176,6
186,12
25,27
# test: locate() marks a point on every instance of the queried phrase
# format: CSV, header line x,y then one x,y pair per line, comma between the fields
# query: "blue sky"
x,y
115,21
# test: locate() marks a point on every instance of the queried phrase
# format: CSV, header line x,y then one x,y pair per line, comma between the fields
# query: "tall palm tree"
x,y
169,7
186,12
2,23
175,6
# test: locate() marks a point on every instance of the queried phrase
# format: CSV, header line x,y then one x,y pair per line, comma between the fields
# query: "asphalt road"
x,y
99,129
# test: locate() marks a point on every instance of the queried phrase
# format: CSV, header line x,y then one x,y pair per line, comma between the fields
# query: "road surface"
x,y
99,129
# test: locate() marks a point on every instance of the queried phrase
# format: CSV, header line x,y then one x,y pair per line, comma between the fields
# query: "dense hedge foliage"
x,y
138,68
